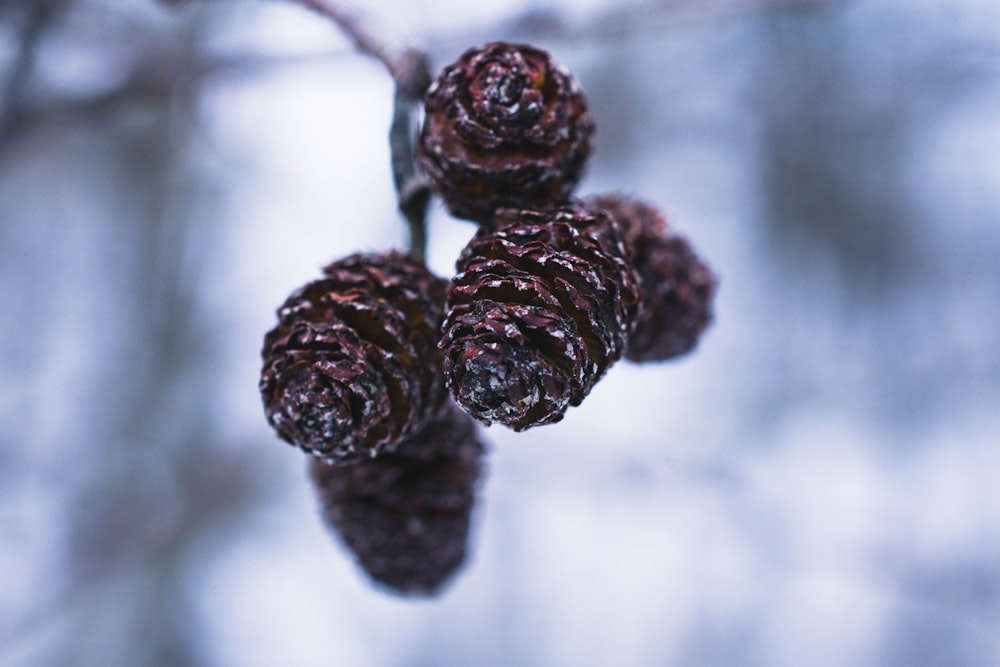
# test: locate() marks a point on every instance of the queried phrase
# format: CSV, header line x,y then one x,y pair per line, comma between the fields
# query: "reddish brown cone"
x,y
352,367
542,305
505,126
405,516
678,288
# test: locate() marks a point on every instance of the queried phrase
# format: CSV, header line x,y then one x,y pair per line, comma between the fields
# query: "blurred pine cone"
x,y
542,305
405,516
352,367
505,126
640,223
678,288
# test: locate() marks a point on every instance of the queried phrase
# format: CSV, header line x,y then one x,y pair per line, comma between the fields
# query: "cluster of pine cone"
x,y
379,367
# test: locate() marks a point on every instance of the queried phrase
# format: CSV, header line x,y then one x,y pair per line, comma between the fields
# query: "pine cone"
x,y
405,516
505,126
640,223
677,286
541,307
352,367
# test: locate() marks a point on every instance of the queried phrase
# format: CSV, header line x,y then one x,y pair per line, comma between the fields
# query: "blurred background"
x,y
815,485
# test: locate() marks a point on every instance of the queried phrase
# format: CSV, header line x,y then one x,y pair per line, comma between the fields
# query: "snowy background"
x,y
818,484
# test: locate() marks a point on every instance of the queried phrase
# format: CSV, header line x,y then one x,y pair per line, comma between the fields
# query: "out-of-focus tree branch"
x,y
150,80
630,19
14,100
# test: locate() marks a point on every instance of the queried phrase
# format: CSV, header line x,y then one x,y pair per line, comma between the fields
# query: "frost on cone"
x,y
542,305
352,367
505,126
677,286
405,516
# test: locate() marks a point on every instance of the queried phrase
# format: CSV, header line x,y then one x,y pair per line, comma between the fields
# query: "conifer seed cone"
x,y
504,126
678,288
542,305
352,367
405,516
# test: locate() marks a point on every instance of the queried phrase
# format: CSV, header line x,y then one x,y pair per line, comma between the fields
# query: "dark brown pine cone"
x,y
505,126
352,367
542,305
677,286
405,516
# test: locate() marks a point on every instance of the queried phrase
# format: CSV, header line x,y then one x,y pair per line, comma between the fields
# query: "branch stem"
x,y
410,70
362,34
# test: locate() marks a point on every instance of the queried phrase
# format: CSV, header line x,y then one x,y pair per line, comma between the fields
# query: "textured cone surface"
x,y
505,126
678,288
352,367
405,516
541,306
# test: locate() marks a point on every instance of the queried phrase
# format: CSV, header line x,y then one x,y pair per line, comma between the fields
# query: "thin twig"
x,y
412,190
410,70
363,35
